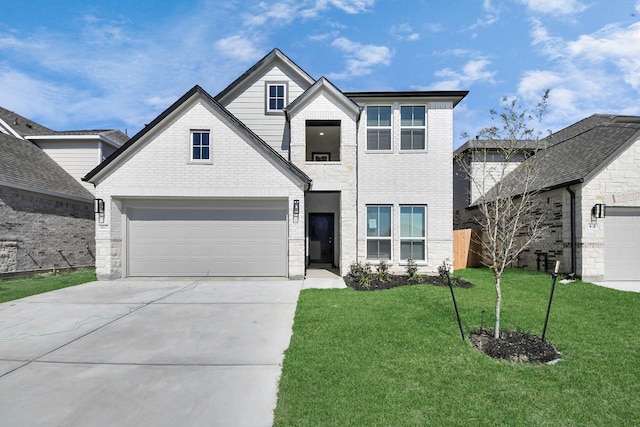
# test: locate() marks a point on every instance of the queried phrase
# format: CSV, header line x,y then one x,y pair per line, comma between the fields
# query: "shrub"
x,y
412,271
382,272
361,273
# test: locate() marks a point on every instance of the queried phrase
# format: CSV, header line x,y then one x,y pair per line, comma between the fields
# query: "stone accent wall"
x,y
39,232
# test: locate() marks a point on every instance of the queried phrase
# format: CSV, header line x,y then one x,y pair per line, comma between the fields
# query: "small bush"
x,y
361,273
412,271
382,272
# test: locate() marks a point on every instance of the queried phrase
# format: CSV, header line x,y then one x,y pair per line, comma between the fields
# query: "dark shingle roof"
x,y
26,166
23,126
576,152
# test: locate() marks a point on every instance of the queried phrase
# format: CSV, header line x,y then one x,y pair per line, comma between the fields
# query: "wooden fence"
x,y
466,248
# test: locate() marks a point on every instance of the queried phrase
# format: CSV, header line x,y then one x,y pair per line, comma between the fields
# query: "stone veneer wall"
x,y
39,232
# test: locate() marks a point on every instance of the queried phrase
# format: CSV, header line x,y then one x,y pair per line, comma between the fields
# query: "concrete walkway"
x,y
146,353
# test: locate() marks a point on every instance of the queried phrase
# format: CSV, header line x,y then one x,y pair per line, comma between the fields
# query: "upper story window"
x,y
412,127
379,127
276,97
322,140
200,145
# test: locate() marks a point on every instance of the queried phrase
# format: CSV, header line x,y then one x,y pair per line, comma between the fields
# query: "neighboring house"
x,y
277,172
76,151
591,188
484,159
46,216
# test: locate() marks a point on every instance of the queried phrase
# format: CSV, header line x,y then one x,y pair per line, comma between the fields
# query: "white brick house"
x,y
277,172
591,190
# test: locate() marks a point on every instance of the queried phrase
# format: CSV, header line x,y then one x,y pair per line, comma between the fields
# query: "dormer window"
x,y
276,97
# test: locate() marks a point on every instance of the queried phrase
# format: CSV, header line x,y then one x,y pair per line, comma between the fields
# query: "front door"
x,y
321,238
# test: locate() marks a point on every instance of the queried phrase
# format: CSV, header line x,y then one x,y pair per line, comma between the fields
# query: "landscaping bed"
x,y
396,280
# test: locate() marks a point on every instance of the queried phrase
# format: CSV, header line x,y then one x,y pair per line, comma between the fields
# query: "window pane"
x,y
280,91
273,90
413,249
405,140
196,153
205,152
412,222
384,228
378,249
280,104
385,116
205,138
418,139
384,140
406,116
273,104
412,139
418,115
196,138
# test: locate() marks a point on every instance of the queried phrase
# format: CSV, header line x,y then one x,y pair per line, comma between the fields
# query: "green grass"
x,y
11,289
395,357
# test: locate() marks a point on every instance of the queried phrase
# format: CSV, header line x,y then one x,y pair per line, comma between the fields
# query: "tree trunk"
x,y
498,303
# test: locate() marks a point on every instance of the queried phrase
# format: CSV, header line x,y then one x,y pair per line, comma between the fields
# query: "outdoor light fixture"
x,y
98,206
296,207
599,210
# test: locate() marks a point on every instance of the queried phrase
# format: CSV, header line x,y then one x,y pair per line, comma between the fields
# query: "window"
x,y
412,232
200,146
322,140
276,97
378,232
379,128
412,127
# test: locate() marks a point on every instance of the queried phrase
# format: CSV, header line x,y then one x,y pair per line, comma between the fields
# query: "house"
x,y
76,151
277,172
590,185
484,159
46,216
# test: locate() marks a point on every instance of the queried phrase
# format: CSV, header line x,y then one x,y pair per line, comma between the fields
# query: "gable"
x,y
161,154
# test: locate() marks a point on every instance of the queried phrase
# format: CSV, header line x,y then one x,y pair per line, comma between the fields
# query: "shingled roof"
x,y
23,165
21,125
580,150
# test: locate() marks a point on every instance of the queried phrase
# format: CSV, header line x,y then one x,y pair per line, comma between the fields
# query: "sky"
x,y
117,64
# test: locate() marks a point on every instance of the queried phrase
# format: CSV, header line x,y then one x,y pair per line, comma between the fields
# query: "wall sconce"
x,y
98,206
296,207
599,210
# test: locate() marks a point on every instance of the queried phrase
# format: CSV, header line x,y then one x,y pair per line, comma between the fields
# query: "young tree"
x,y
504,180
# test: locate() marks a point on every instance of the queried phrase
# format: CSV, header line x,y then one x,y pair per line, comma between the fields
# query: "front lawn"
x,y
11,289
395,357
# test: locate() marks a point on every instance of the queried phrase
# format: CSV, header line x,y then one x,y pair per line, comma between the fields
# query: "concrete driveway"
x,y
146,353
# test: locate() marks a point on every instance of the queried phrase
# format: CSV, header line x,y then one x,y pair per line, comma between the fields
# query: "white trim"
x,y
267,97
207,161
412,127
9,129
92,137
390,128
45,192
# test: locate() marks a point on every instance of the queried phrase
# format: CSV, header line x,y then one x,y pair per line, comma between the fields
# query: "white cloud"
x,y
238,47
348,6
360,58
404,32
473,71
556,7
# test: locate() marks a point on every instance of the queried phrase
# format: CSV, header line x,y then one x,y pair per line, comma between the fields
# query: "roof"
x,y
577,152
21,125
484,144
455,95
275,54
23,165
113,135
197,90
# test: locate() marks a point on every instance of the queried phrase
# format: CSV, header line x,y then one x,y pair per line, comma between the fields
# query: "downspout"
x,y
573,229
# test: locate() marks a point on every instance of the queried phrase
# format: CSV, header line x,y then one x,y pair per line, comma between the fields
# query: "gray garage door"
x,y
217,238
622,244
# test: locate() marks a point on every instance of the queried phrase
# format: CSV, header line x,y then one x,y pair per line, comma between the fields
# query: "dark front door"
x,y
321,238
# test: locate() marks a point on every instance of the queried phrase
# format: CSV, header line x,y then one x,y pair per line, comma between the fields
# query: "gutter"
x,y
573,229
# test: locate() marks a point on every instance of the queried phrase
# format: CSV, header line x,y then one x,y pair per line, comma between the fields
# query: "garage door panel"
x,y
208,242
622,244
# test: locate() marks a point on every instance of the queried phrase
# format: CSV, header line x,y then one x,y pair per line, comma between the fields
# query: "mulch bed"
x,y
403,280
514,346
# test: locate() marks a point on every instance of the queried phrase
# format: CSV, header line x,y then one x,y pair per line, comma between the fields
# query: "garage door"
x,y
216,238
622,244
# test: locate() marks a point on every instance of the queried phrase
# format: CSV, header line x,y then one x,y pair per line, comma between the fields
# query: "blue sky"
x,y
74,64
